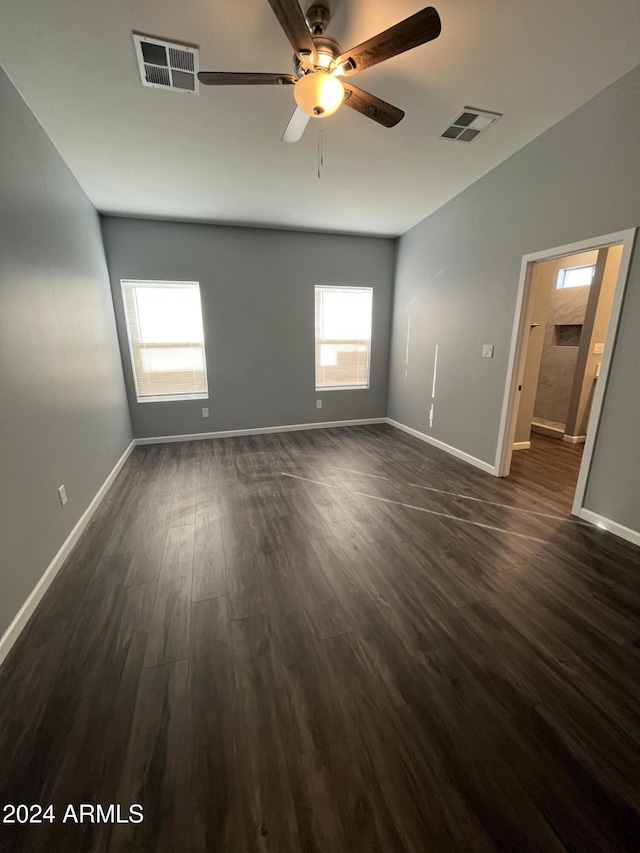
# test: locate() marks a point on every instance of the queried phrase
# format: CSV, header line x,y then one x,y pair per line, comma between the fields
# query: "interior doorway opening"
x,y
571,300
561,348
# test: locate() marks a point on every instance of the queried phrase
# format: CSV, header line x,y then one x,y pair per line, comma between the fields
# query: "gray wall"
x,y
458,270
257,297
63,410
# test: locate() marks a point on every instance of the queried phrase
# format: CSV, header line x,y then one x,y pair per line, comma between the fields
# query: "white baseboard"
x,y
620,530
231,433
24,614
553,432
574,439
521,445
459,454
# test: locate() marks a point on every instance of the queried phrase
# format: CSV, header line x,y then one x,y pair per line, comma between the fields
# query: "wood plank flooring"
x,y
328,641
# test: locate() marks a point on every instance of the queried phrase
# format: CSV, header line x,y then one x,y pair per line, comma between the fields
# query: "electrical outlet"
x,y
487,350
318,404
598,349
62,492
205,412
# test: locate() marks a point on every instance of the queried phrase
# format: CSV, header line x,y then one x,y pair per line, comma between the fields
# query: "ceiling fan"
x,y
319,62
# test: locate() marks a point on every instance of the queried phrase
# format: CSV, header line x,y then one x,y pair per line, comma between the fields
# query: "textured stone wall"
x,y
566,308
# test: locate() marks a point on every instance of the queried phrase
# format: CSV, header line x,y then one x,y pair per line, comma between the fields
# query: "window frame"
x,y
162,398
342,288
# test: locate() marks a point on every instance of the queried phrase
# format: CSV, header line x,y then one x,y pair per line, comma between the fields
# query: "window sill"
x,y
343,388
171,398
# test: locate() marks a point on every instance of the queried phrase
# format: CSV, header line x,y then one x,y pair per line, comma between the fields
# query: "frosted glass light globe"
x,y
318,94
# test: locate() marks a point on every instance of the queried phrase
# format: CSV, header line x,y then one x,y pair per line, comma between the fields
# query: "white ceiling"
x,y
217,157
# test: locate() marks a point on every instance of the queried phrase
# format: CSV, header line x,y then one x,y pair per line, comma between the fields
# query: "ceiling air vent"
x,y
469,124
167,65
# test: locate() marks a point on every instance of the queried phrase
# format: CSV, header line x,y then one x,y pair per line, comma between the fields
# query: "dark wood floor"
x,y
283,643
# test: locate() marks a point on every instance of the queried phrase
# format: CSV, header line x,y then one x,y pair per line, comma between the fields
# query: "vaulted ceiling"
x,y
217,157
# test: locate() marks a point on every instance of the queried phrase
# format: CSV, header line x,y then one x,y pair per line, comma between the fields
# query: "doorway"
x,y
571,306
561,347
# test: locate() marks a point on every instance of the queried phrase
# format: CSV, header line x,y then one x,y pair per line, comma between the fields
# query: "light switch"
x,y
487,350
598,349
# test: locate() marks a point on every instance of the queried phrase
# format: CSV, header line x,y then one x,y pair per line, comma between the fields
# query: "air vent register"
x,y
167,65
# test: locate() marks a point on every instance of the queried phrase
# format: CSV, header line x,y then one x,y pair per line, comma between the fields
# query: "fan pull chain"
x,y
320,146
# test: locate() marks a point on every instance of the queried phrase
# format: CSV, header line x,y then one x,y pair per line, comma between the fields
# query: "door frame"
x,y
520,341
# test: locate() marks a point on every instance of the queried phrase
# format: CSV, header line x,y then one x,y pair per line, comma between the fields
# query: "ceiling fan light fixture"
x,y
324,60
345,67
318,94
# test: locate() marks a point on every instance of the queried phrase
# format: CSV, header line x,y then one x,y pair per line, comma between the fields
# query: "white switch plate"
x,y
487,350
318,404
62,492
205,412
598,349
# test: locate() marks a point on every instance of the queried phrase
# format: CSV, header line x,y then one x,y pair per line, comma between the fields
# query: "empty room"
x,y
319,392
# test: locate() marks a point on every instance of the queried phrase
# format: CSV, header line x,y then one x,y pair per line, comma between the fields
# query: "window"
x,y
166,341
343,337
575,276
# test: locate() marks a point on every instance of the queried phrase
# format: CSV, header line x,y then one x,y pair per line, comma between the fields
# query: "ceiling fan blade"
x,y
372,107
289,14
296,127
233,78
412,32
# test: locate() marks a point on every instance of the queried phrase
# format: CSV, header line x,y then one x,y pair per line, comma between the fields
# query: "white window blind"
x,y
166,340
343,336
